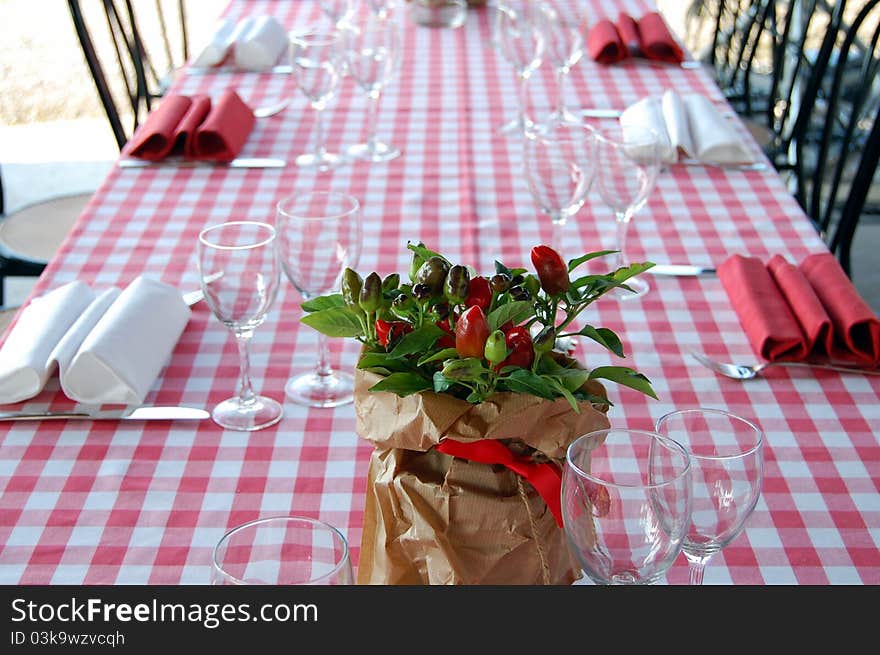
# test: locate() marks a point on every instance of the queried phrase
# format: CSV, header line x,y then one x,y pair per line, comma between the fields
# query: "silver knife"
x,y
680,270
157,413
240,162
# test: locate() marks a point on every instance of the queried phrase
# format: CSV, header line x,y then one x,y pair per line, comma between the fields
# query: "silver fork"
x,y
749,371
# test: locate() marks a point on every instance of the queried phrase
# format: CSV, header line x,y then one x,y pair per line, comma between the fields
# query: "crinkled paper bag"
x,y
434,519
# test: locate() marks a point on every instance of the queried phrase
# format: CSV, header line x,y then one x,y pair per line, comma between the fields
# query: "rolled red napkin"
x,y
604,43
656,41
628,29
792,313
194,128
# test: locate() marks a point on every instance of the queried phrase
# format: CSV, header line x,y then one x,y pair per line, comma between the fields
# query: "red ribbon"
x,y
544,477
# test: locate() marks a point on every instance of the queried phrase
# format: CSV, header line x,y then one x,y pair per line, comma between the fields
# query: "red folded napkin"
x,y
648,37
604,43
795,312
194,128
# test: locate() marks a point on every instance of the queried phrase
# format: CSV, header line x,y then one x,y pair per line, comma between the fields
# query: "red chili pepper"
x,y
522,353
388,331
551,269
448,339
471,332
479,294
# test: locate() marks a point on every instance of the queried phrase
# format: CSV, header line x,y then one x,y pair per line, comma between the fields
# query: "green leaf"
x,y
512,272
403,384
446,353
560,388
425,253
441,382
574,263
604,337
572,378
373,360
623,274
335,322
625,376
418,340
323,302
523,381
515,312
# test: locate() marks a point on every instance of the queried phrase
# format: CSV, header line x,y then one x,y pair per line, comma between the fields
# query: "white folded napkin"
x,y
693,126
217,47
262,45
108,348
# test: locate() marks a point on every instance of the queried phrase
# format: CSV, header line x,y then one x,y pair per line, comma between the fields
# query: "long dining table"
x,y
127,502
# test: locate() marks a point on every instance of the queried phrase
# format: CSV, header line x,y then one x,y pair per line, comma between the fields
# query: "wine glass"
x,y
521,42
338,11
372,52
727,457
629,161
564,47
320,236
282,550
626,502
240,275
560,164
315,65
382,8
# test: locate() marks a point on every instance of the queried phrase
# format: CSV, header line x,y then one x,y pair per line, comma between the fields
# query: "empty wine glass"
x,y
521,42
626,502
239,273
629,161
372,52
727,458
282,550
564,47
338,11
320,235
382,8
315,64
560,164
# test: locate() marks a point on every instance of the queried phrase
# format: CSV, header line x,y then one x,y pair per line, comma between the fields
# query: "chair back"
x,y
131,54
836,135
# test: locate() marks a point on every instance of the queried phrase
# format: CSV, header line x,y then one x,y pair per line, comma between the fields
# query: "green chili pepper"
x,y
416,264
351,287
496,347
371,293
457,281
545,340
391,282
463,369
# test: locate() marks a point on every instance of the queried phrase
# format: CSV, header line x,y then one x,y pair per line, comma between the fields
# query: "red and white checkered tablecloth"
x,y
133,503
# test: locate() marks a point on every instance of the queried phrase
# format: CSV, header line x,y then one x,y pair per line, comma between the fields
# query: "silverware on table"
x,y
749,371
240,162
147,413
754,166
680,270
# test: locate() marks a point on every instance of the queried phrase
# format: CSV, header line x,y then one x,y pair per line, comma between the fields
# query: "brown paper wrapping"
x,y
434,519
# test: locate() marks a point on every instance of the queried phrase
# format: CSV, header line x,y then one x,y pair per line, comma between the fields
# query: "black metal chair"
x,y
836,135
130,73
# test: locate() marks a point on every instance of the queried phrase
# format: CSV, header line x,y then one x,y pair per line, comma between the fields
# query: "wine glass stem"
x,y
320,149
246,395
372,118
696,568
523,99
622,227
561,74
323,368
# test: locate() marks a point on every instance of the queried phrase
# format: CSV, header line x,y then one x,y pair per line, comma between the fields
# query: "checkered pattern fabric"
x,y
126,502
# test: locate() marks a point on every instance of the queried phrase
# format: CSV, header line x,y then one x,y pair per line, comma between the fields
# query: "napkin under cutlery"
x,y
649,37
796,312
194,127
108,347
694,128
255,43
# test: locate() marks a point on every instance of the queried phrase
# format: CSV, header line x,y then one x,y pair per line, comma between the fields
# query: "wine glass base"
x,y
564,117
639,288
517,126
376,152
322,162
313,390
261,413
